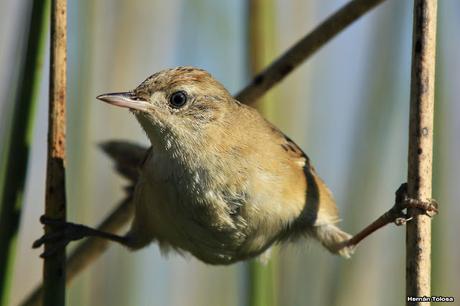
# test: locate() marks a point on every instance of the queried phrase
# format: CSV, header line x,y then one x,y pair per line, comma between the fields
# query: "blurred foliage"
x,y
262,288
13,171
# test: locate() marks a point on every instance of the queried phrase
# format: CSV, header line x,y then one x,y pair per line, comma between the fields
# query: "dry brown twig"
x,y
418,232
55,203
263,82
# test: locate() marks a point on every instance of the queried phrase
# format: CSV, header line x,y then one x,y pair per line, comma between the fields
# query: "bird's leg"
x,y
396,214
67,232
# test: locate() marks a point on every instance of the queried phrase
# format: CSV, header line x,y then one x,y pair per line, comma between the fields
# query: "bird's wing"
x,y
318,196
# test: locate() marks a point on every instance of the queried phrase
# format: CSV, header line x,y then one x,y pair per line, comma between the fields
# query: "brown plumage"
x,y
220,181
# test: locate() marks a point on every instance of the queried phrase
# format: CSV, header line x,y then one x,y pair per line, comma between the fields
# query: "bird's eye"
x,y
178,99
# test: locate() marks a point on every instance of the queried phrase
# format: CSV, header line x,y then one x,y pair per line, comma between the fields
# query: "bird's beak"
x,y
126,99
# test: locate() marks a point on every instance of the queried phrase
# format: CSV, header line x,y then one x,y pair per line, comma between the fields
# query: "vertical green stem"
x,y
262,287
261,291
14,171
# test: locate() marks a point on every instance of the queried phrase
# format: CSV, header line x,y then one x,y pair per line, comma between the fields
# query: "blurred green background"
x,y
347,107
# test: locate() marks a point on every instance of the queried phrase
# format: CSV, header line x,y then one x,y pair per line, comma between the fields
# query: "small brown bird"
x,y
219,181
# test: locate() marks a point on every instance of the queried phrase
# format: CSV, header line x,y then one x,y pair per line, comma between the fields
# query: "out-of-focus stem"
x,y
14,174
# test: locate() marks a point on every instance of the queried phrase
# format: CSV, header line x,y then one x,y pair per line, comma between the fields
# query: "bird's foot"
x,y
64,233
403,201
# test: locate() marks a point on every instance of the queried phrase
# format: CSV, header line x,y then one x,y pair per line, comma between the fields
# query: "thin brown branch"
x,y
418,234
303,49
55,202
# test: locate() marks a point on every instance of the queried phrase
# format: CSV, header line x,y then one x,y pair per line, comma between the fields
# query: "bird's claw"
x,y
403,201
402,220
64,233
430,207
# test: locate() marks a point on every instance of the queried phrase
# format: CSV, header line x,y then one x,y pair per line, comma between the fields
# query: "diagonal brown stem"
x,y
304,48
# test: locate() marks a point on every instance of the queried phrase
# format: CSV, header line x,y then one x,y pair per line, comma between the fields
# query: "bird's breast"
x,y
192,209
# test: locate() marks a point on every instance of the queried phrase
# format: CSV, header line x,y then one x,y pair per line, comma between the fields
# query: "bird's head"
x,y
177,107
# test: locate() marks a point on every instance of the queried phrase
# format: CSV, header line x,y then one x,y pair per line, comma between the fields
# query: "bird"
x,y
219,181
